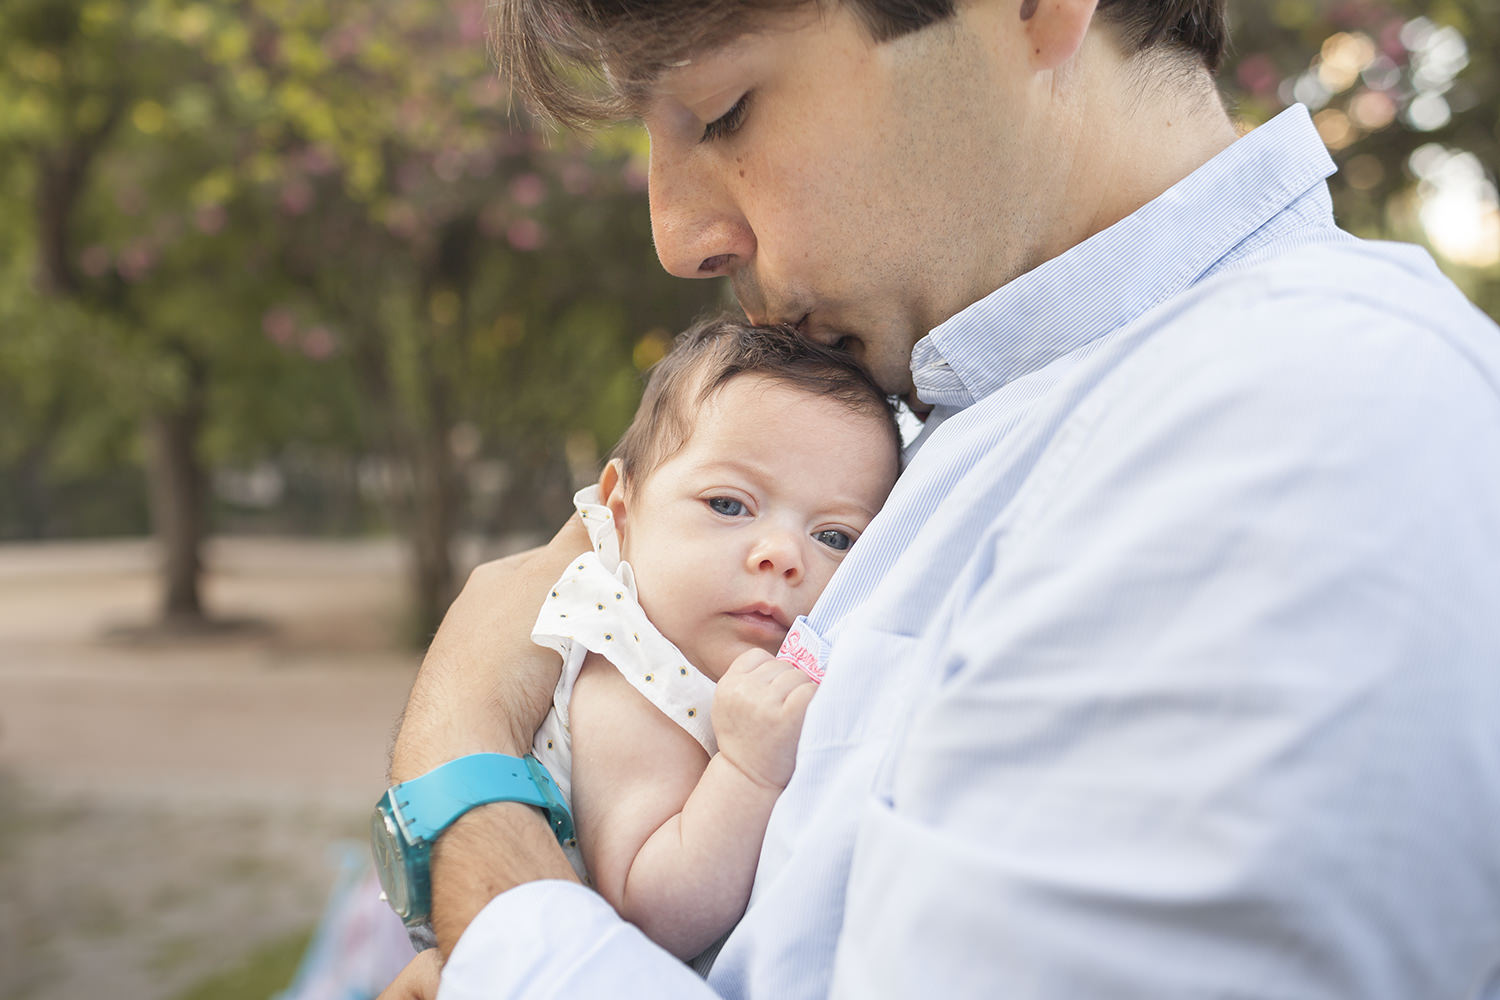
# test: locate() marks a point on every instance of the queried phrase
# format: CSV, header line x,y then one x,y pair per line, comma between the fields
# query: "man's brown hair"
x,y
585,61
713,351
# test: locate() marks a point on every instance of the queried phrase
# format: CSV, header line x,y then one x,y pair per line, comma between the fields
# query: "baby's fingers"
x,y
798,699
790,680
748,662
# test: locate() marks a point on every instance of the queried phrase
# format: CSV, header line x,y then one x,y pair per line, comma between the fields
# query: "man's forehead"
x,y
687,67
642,87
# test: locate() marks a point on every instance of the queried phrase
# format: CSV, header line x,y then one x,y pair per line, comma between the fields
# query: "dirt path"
x,y
172,804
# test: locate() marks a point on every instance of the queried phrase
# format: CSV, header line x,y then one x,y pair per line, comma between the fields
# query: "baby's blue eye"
x,y
727,506
833,539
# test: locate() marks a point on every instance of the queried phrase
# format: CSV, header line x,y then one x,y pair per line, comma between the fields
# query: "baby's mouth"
x,y
763,617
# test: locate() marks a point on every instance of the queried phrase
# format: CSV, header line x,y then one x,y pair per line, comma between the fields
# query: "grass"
x,y
261,974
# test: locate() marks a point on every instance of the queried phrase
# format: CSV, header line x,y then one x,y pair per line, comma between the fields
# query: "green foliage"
x,y
327,211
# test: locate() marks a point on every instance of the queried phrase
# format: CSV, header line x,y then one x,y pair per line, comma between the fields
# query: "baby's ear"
x,y
612,491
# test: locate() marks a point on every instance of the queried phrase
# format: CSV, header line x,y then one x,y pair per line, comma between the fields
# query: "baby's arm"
x,y
670,837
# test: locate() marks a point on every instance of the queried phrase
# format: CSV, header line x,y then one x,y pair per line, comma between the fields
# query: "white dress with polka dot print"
x,y
593,607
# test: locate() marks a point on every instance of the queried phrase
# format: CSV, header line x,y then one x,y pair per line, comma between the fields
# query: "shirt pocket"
x,y
867,692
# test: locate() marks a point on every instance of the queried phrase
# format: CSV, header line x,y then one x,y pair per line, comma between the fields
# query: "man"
x,y
1169,670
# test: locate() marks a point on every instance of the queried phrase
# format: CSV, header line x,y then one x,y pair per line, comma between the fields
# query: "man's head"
x,y
754,462
543,43
865,170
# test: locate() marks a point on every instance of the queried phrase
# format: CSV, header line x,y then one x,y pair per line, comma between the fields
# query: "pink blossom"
x,y
296,196
471,22
319,343
1258,75
343,43
524,234
210,219
319,161
528,190
635,177
136,262
279,325
577,179
1390,41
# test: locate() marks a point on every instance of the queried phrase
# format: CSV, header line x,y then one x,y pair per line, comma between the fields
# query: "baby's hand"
x,y
757,715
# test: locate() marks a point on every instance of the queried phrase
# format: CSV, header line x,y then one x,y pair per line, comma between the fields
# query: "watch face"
x,y
390,861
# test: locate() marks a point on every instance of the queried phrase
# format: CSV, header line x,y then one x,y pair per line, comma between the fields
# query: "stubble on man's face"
x,y
876,189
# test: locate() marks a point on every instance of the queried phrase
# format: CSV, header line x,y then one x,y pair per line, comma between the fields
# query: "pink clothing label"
x,y
800,648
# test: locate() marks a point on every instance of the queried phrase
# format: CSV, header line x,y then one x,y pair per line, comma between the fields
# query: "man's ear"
x,y
612,493
1054,29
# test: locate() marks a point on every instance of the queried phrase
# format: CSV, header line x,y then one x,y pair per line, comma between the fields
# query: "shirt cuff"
x,y
555,938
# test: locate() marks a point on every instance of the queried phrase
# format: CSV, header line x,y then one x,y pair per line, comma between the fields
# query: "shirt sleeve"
x,y
558,939
1216,716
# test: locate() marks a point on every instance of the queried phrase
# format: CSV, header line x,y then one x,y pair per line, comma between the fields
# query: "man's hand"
x,y
757,714
484,685
418,981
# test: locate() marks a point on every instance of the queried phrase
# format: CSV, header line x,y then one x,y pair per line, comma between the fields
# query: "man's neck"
x,y
1141,128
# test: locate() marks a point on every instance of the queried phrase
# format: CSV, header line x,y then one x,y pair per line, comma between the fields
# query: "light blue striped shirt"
x,y
1171,668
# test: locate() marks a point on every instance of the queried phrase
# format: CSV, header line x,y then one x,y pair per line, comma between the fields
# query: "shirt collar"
x,y
1118,274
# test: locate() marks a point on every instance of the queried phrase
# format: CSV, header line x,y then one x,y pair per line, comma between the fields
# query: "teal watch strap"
x,y
452,789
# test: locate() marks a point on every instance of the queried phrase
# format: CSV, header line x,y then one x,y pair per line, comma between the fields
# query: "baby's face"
x,y
738,533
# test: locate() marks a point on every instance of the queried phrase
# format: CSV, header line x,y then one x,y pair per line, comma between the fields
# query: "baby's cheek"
x,y
667,606
810,594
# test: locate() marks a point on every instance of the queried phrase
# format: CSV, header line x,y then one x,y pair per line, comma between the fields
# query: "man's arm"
x,y
485,687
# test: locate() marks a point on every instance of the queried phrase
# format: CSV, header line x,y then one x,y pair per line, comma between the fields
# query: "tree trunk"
x,y
62,175
434,510
30,477
176,484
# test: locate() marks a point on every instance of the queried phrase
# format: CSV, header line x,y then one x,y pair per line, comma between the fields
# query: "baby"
x,y
753,464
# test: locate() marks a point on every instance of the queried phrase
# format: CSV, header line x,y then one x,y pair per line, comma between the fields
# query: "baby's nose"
x,y
778,552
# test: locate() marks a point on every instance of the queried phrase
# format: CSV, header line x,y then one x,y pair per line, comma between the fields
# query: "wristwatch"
x,y
410,816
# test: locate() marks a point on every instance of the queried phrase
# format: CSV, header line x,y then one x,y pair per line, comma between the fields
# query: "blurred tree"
x,y
255,224
256,227
485,286
1406,95
71,76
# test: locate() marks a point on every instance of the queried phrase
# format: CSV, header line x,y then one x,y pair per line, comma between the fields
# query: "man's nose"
x,y
698,231
778,551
